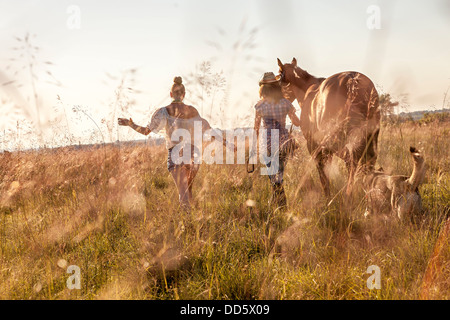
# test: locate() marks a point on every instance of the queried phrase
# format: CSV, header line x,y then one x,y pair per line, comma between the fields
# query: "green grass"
x,y
114,213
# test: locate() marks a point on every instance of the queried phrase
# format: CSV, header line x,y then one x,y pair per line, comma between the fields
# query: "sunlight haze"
x,y
408,56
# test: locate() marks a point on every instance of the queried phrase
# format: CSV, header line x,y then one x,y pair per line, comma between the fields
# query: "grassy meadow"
x,y
113,212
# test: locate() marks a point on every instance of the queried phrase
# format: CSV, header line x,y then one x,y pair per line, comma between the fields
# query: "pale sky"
x,y
409,55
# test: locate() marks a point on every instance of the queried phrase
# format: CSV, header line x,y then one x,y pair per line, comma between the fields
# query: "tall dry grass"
x,y
114,213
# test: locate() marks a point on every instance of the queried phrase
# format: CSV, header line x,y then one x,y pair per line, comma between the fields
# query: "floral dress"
x,y
162,120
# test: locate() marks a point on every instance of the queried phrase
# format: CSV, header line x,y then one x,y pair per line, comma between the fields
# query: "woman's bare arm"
x,y
129,122
256,127
225,142
295,120
257,124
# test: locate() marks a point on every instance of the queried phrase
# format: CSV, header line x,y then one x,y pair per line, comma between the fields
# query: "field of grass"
x,y
113,212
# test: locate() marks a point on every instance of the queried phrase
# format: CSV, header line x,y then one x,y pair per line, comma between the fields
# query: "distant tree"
x,y
438,117
387,105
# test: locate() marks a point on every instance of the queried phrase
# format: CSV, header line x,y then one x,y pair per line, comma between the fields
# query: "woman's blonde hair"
x,y
178,89
271,91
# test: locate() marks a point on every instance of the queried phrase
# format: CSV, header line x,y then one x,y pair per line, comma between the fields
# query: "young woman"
x,y
176,116
273,109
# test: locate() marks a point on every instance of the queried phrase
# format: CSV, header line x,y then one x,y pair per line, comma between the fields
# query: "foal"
x,y
396,194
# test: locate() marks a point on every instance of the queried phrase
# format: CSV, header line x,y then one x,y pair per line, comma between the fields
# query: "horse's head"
x,y
292,75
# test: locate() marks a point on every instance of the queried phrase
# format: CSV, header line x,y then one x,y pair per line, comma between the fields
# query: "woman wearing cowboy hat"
x,y
273,109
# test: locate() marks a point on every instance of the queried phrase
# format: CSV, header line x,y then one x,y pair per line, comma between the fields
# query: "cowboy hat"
x,y
269,77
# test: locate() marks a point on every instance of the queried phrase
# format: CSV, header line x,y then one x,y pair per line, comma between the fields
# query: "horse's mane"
x,y
305,75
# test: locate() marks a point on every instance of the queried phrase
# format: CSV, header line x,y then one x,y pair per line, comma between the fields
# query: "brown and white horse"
x,y
339,115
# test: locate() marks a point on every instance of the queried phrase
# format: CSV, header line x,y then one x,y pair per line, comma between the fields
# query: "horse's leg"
x,y
354,158
352,167
319,157
321,161
372,152
364,154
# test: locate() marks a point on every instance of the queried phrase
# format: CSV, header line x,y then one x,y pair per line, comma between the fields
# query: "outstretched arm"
x,y
207,127
129,122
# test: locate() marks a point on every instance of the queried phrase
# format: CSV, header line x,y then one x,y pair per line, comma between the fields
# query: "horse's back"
x,y
343,95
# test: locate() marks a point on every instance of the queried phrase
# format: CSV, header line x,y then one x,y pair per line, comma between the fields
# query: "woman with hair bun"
x,y
176,115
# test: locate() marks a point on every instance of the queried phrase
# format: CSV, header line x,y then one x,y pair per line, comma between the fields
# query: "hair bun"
x,y
178,80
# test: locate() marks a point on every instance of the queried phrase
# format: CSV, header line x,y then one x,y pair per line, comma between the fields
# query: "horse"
x,y
340,115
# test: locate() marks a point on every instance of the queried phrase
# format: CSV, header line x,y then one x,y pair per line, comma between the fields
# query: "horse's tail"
x,y
353,85
373,127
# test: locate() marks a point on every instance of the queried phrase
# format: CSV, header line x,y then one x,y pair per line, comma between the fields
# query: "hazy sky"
x,y
409,55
